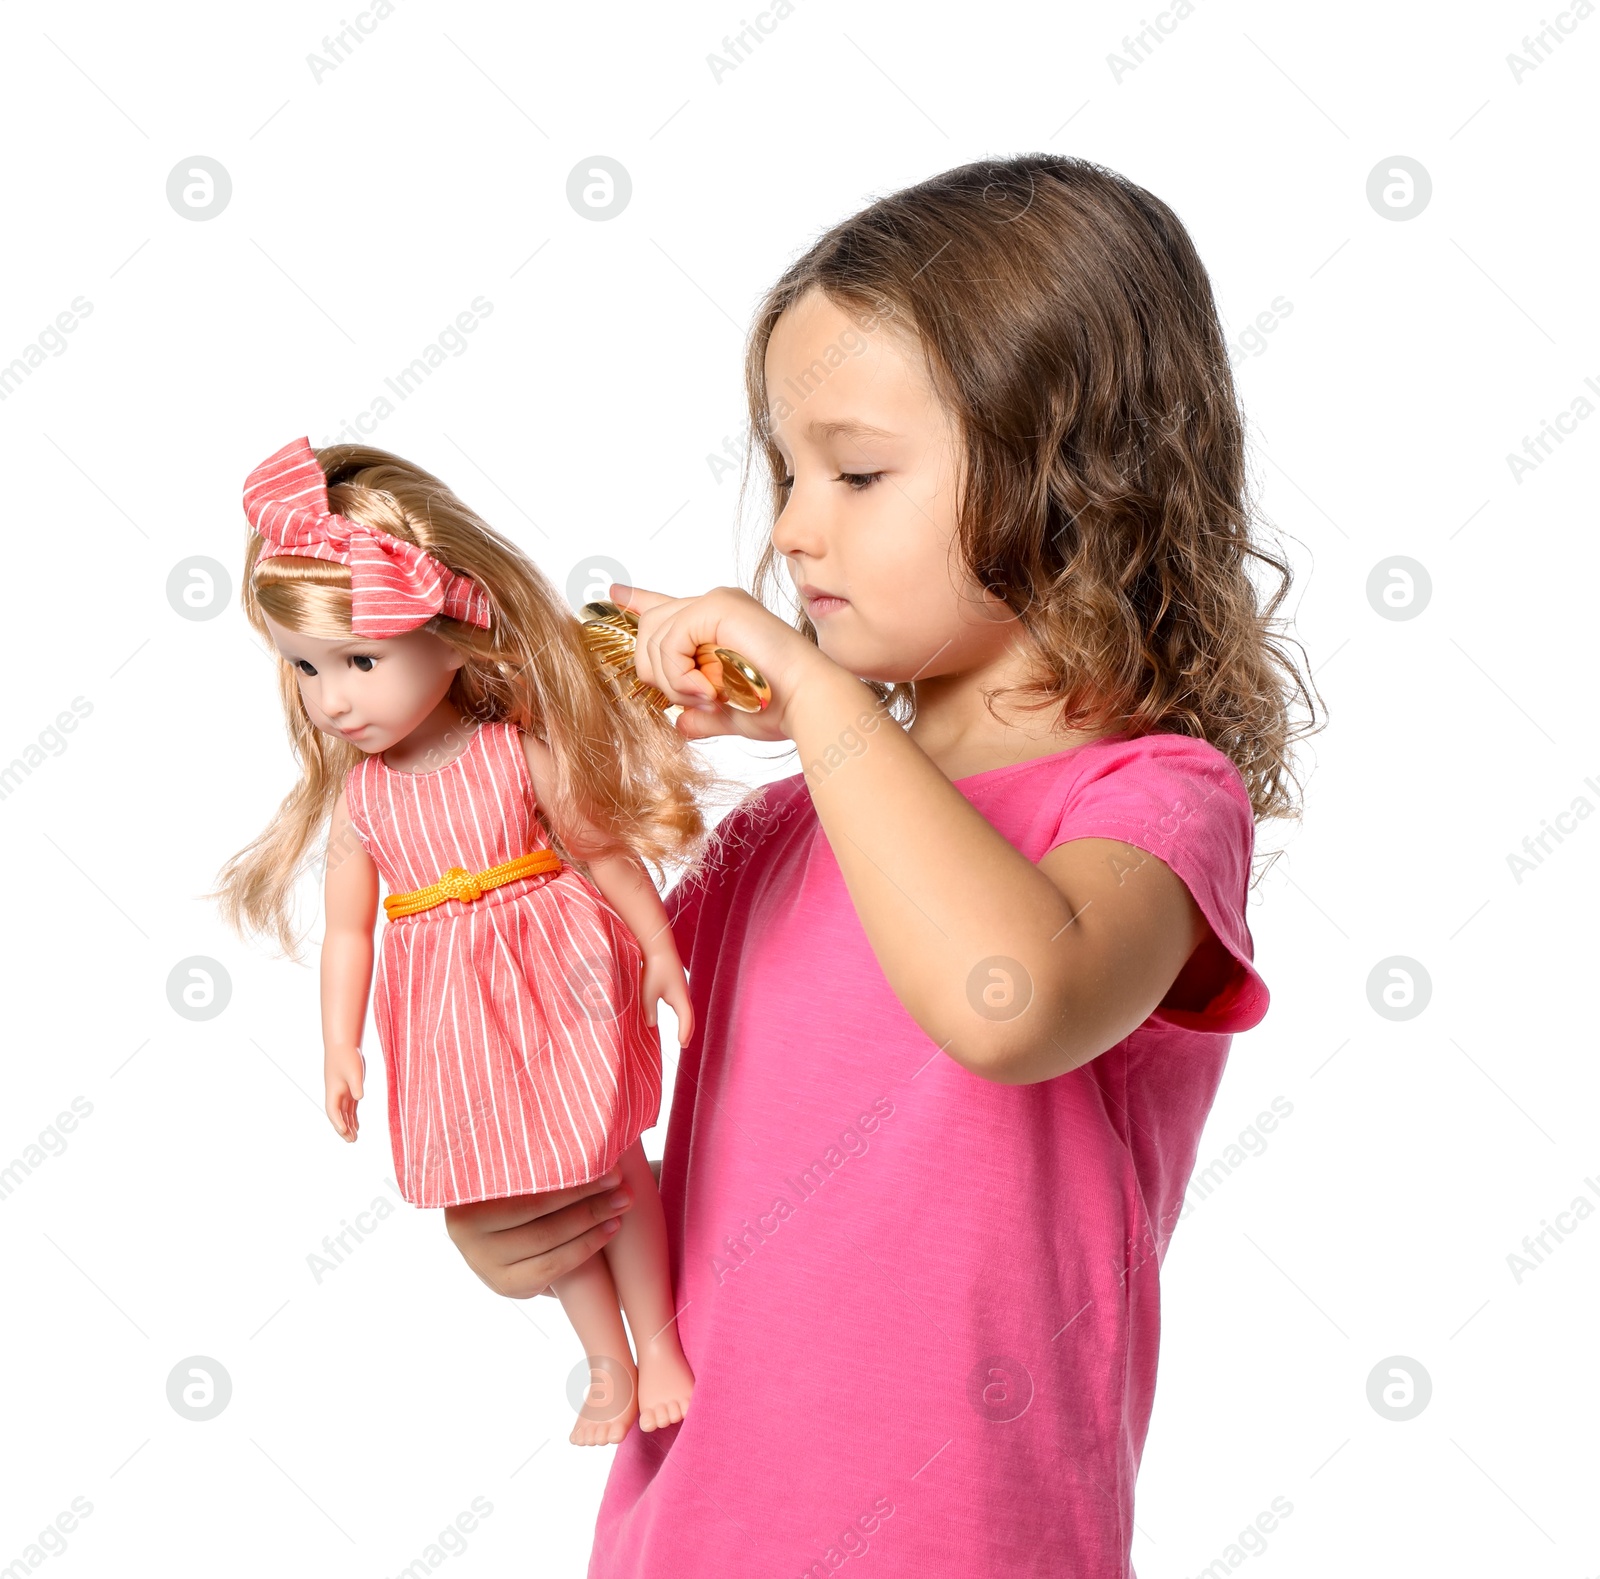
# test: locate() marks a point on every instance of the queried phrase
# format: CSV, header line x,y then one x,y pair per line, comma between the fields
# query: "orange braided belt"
x,y
459,883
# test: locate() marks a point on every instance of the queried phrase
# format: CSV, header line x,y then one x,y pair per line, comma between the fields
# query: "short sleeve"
x,y
1183,801
355,802
686,901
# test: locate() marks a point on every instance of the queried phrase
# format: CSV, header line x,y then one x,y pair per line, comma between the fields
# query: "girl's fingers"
x,y
537,1213
701,723
647,660
530,1278
530,1249
636,598
671,667
666,647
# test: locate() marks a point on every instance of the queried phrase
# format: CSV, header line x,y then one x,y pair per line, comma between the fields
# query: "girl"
x,y
442,702
964,986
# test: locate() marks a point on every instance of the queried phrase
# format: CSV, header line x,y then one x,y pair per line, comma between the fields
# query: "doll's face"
x,y
371,693
871,517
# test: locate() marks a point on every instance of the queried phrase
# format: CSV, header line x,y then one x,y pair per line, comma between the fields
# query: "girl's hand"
x,y
342,1072
664,980
670,631
519,1244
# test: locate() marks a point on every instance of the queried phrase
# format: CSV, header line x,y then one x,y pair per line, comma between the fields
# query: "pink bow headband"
x,y
394,585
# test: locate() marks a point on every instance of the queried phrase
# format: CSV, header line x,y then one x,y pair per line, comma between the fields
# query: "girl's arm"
x,y
1018,971
966,929
350,890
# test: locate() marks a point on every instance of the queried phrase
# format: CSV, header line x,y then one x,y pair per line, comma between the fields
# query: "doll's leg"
x,y
589,1298
638,1257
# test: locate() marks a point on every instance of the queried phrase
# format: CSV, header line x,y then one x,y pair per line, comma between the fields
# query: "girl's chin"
x,y
858,659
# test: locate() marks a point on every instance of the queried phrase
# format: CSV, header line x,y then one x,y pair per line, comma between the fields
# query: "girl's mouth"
x,y
816,608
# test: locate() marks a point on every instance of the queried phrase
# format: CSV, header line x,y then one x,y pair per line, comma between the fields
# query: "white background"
x,y
429,168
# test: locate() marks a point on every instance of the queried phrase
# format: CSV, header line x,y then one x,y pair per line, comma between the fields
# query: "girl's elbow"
x,y
998,1060
1036,1045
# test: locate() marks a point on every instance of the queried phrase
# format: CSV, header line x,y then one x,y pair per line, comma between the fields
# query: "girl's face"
x,y
871,513
371,693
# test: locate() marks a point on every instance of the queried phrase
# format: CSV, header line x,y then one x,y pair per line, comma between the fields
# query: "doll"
x,y
458,737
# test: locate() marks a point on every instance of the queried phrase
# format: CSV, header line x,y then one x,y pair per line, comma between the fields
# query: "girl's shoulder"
x,y
1156,752
766,822
1156,759
763,813
743,842
1174,787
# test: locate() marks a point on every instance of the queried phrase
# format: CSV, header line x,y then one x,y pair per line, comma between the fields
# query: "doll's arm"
x,y
629,891
621,878
626,885
350,890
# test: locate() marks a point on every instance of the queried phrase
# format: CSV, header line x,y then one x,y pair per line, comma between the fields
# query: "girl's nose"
x,y
795,531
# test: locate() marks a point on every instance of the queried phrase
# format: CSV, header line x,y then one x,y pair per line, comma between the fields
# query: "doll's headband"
x,y
395,586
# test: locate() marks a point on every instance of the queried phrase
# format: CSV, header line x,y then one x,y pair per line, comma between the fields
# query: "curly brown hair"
x,y
1068,324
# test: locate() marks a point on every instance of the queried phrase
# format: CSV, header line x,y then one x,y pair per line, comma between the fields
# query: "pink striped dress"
x,y
512,1026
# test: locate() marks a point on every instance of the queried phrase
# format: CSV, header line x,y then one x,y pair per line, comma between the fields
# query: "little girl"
x,y
964,986
442,701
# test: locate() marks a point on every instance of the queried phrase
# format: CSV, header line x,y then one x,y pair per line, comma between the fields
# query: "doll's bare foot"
x,y
605,1417
603,1433
665,1382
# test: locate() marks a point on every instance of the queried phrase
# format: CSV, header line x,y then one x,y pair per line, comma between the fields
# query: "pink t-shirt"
x,y
922,1309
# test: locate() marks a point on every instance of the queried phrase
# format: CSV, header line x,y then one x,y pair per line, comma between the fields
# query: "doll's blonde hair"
x,y
618,764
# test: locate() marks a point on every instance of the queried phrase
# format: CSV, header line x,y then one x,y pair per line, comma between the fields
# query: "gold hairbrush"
x,y
612,633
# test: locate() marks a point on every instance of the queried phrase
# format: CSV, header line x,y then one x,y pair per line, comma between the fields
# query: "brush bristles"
x,y
613,645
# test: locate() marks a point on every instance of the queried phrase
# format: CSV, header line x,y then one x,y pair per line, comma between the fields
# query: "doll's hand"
x,y
664,980
672,629
342,1072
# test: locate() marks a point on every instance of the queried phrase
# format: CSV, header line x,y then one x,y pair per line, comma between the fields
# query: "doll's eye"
x,y
362,660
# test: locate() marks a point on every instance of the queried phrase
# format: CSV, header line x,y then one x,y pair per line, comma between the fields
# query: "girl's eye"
x,y
859,481
303,666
